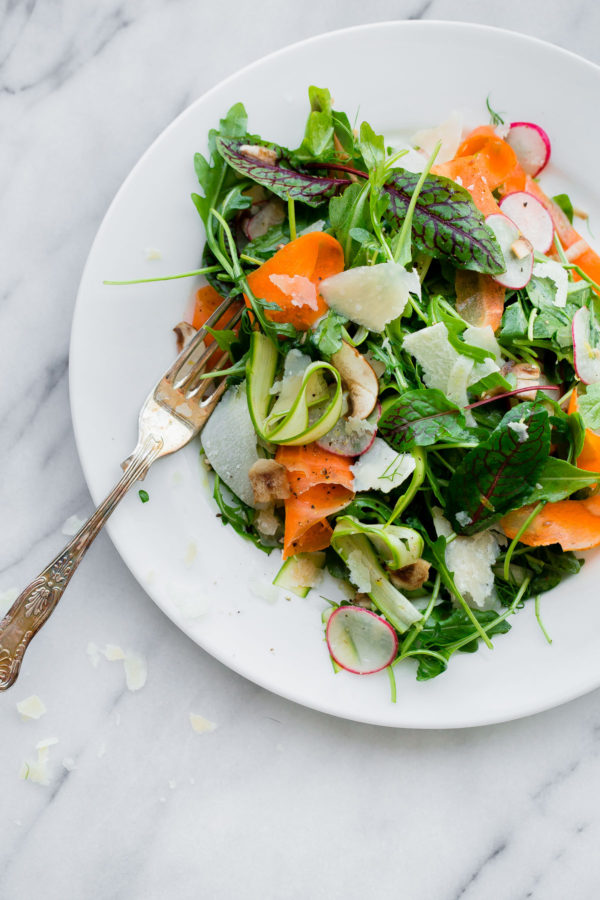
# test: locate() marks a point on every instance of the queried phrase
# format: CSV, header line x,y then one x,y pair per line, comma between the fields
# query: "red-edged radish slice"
x,y
531,145
516,249
360,641
530,217
585,357
351,437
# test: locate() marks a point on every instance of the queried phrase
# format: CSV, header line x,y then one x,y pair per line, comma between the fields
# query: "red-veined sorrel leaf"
x,y
499,474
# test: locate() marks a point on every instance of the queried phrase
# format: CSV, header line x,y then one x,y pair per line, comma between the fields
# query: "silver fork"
x,y
174,412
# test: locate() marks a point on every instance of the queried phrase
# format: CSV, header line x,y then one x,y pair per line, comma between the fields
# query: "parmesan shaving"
x,y
31,708
72,525
201,725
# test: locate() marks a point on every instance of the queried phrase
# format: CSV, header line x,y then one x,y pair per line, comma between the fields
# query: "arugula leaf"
x,y
443,629
492,382
318,135
348,213
496,476
420,418
589,406
446,222
237,514
211,172
514,322
564,202
284,182
343,132
559,479
372,147
327,337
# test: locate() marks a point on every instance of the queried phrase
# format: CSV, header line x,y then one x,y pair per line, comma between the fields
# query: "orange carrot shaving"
x,y
574,524
207,301
467,171
292,276
309,465
479,299
306,525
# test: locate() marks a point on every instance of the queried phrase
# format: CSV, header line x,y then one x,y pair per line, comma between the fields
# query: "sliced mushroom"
x,y
267,522
411,577
269,481
184,332
360,379
262,154
267,215
526,374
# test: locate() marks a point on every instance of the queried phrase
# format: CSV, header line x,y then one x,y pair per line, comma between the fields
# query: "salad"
x,y
413,398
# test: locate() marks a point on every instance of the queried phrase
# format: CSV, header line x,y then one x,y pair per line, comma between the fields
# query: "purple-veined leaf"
x,y
499,474
282,181
446,222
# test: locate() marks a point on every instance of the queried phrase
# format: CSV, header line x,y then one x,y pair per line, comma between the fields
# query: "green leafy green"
x,y
559,479
318,134
144,496
282,181
446,222
347,214
327,337
236,513
496,476
423,417
564,202
589,407
211,173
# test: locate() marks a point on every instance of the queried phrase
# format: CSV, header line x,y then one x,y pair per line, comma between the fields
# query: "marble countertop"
x,y
277,801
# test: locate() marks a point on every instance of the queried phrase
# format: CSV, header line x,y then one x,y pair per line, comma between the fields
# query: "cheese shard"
x,y
470,559
229,441
381,468
201,725
371,295
136,671
449,134
31,707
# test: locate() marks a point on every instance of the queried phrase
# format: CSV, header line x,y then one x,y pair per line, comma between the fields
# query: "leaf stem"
x,y
292,218
420,457
539,619
205,270
537,509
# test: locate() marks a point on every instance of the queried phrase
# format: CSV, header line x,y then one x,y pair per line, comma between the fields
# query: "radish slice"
x,y
531,145
351,437
530,217
517,252
585,357
360,641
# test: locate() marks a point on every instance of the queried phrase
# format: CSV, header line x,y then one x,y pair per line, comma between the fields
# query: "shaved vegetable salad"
x,y
414,384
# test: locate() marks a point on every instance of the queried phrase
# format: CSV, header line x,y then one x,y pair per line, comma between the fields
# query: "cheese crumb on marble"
x,y
201,725
151,253
93,651
31,707
112,652
136,671
37,770
72,525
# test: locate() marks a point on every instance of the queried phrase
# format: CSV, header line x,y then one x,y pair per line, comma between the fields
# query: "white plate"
x,y
402,76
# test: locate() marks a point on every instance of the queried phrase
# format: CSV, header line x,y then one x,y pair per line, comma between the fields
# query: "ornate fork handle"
x,y
37,602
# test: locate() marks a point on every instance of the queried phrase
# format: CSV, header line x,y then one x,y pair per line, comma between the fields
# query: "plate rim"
x,y
532,708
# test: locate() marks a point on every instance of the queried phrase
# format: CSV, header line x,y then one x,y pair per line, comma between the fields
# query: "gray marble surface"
x,y
278,801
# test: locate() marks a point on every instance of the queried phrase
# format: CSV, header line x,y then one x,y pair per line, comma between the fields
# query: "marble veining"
x,y
278,801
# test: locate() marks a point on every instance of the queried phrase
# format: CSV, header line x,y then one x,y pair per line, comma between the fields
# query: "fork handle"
x,y
34,606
